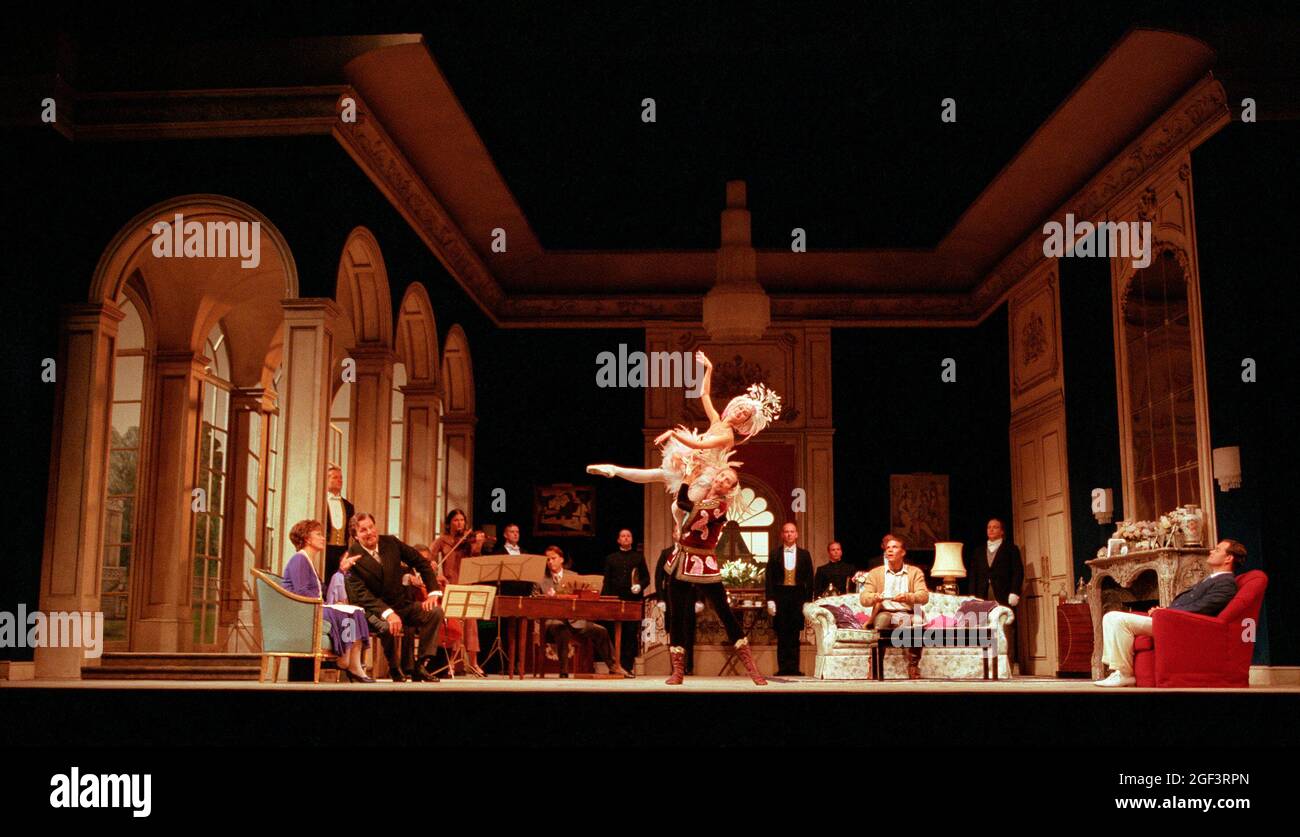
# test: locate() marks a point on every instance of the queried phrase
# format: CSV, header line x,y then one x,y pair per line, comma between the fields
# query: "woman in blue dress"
x,y
349,631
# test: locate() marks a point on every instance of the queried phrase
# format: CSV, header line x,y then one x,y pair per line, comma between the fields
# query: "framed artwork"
x,y
564,510
918,508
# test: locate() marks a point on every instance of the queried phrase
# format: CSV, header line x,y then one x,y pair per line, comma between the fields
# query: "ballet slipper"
x,y
601,470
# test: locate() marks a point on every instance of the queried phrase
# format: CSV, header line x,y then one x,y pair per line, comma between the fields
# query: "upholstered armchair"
x,y
291,626
845,653
1191,649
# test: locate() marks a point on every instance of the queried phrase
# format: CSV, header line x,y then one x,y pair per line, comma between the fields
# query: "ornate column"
x,y
372,397
419,462
163,617
458,433
245,523
304,409
74,519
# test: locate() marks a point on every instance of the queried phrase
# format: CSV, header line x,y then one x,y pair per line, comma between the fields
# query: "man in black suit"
x,y
789,585
376,585
834,575
1209,596
626,576
338,512
997,573
509,542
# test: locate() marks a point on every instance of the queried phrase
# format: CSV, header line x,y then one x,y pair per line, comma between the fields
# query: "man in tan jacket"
x,y
891,591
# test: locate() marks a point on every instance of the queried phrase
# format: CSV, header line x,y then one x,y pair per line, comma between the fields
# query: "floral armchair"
x,y
845,653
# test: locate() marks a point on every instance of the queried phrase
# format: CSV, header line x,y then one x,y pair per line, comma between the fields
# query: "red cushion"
x,y
1143,643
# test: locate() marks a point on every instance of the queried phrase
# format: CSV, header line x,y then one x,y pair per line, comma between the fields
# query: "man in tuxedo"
x,y
834,574
789,585
559,580
892,591
376,585
626,576
509,543
1209,596
997,573
338,512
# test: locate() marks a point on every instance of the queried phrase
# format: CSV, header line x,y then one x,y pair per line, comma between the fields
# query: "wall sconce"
x,y
1227,468
948,566
1103,505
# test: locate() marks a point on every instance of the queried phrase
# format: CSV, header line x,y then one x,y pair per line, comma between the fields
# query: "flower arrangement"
x,y
740,573
1150,534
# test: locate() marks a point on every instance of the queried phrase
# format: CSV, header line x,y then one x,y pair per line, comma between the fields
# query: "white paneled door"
x,y
1041,523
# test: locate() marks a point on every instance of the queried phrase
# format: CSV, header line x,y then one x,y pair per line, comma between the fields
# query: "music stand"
x,y
494,569
463,602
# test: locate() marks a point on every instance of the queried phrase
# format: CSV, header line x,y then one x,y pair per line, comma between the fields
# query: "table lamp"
x,y
948,565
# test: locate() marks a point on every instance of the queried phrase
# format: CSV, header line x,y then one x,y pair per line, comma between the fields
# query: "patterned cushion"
x,y
844,616
855,635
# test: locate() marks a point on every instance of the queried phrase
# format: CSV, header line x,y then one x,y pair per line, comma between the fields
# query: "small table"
x,y
983,637
747,612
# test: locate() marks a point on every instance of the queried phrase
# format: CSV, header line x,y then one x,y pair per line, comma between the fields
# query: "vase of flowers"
x,y
740,573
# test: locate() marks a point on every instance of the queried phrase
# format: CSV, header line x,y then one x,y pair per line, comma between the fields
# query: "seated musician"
x,y
558,581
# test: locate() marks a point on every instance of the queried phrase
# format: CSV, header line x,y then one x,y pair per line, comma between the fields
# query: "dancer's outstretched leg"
x,y
642,475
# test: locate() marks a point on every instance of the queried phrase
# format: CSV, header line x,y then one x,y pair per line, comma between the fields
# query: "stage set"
x,y
704,361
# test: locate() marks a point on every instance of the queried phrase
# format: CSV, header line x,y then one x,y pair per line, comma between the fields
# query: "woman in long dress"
x,y
694,459
349,630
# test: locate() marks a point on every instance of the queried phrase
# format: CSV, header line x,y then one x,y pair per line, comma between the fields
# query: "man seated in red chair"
x,y
1209,596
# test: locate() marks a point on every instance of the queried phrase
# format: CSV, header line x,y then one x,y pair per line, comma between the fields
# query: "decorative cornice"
x,y
200,114
383,162
315,111
1193,118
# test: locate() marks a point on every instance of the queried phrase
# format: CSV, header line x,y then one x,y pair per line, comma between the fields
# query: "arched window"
x,y
755,520
341,432
214,443
396,444
124,449
274,444
440,475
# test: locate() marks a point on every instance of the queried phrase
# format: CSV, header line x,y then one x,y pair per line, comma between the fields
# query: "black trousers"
x,y
681,610
423,625
788,625
631,641
562,633
687,630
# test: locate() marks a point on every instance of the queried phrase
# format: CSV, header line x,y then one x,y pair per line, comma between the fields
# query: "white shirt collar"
x,y
993,545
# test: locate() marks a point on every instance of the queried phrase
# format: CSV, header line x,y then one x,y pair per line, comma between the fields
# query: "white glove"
x,y
1013,600
699,607
636,588
661,605
771,608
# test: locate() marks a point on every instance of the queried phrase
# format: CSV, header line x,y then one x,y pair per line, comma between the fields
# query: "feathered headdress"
x,y
765,403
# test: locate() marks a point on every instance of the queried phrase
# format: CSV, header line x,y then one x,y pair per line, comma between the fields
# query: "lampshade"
x,y
947,560
1227,468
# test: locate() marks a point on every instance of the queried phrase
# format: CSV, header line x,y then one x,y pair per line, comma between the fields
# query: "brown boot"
x,y
678,656
742,651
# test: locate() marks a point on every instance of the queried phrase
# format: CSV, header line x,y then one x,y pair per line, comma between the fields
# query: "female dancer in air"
x,y
693,459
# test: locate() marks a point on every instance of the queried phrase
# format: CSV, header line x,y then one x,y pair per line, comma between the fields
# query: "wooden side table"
x,y
1074,639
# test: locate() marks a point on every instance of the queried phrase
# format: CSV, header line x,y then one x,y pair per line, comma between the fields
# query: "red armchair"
x,y
1190,649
